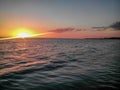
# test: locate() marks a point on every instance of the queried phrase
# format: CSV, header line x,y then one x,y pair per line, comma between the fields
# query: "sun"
x,y
23,35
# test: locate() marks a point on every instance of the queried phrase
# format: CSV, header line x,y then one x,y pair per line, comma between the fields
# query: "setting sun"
x,y
25,33
22,35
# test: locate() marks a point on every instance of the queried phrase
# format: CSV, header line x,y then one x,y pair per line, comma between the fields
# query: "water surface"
x,y
59,64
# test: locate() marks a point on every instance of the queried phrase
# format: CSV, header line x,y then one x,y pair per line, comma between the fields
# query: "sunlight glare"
x,y
23,35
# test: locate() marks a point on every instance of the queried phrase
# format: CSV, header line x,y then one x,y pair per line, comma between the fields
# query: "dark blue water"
x,y
60,64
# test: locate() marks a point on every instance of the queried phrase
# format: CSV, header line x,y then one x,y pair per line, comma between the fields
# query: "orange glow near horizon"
x,y
24,33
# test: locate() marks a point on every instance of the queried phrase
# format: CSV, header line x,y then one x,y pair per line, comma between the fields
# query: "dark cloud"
x,y
62,30
116,26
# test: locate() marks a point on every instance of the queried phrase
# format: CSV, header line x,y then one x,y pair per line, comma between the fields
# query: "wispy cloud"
x,y
61,30
100,28
69,29
115,26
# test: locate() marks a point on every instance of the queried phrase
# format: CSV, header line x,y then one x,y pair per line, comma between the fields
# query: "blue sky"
x,y
68,12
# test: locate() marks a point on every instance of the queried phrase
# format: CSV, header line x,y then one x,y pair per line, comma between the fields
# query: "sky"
x,y
64,18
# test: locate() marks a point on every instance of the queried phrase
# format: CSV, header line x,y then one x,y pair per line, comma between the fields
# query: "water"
x,y
60,64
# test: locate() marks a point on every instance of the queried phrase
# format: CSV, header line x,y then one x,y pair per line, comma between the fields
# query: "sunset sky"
x,y
60,18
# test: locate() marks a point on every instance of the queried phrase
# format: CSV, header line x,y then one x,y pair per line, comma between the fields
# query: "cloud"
x,y
62,30
115,26
99,28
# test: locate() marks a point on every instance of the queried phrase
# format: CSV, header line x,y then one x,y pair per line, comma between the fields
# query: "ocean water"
x,y
60,64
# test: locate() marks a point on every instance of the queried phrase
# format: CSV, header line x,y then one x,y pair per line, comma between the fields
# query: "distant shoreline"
x,y
67,38
81,38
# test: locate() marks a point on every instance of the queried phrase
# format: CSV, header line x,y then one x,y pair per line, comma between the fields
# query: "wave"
x,y
59,64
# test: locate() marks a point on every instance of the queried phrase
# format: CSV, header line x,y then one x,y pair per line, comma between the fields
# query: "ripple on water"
x,y
59,64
